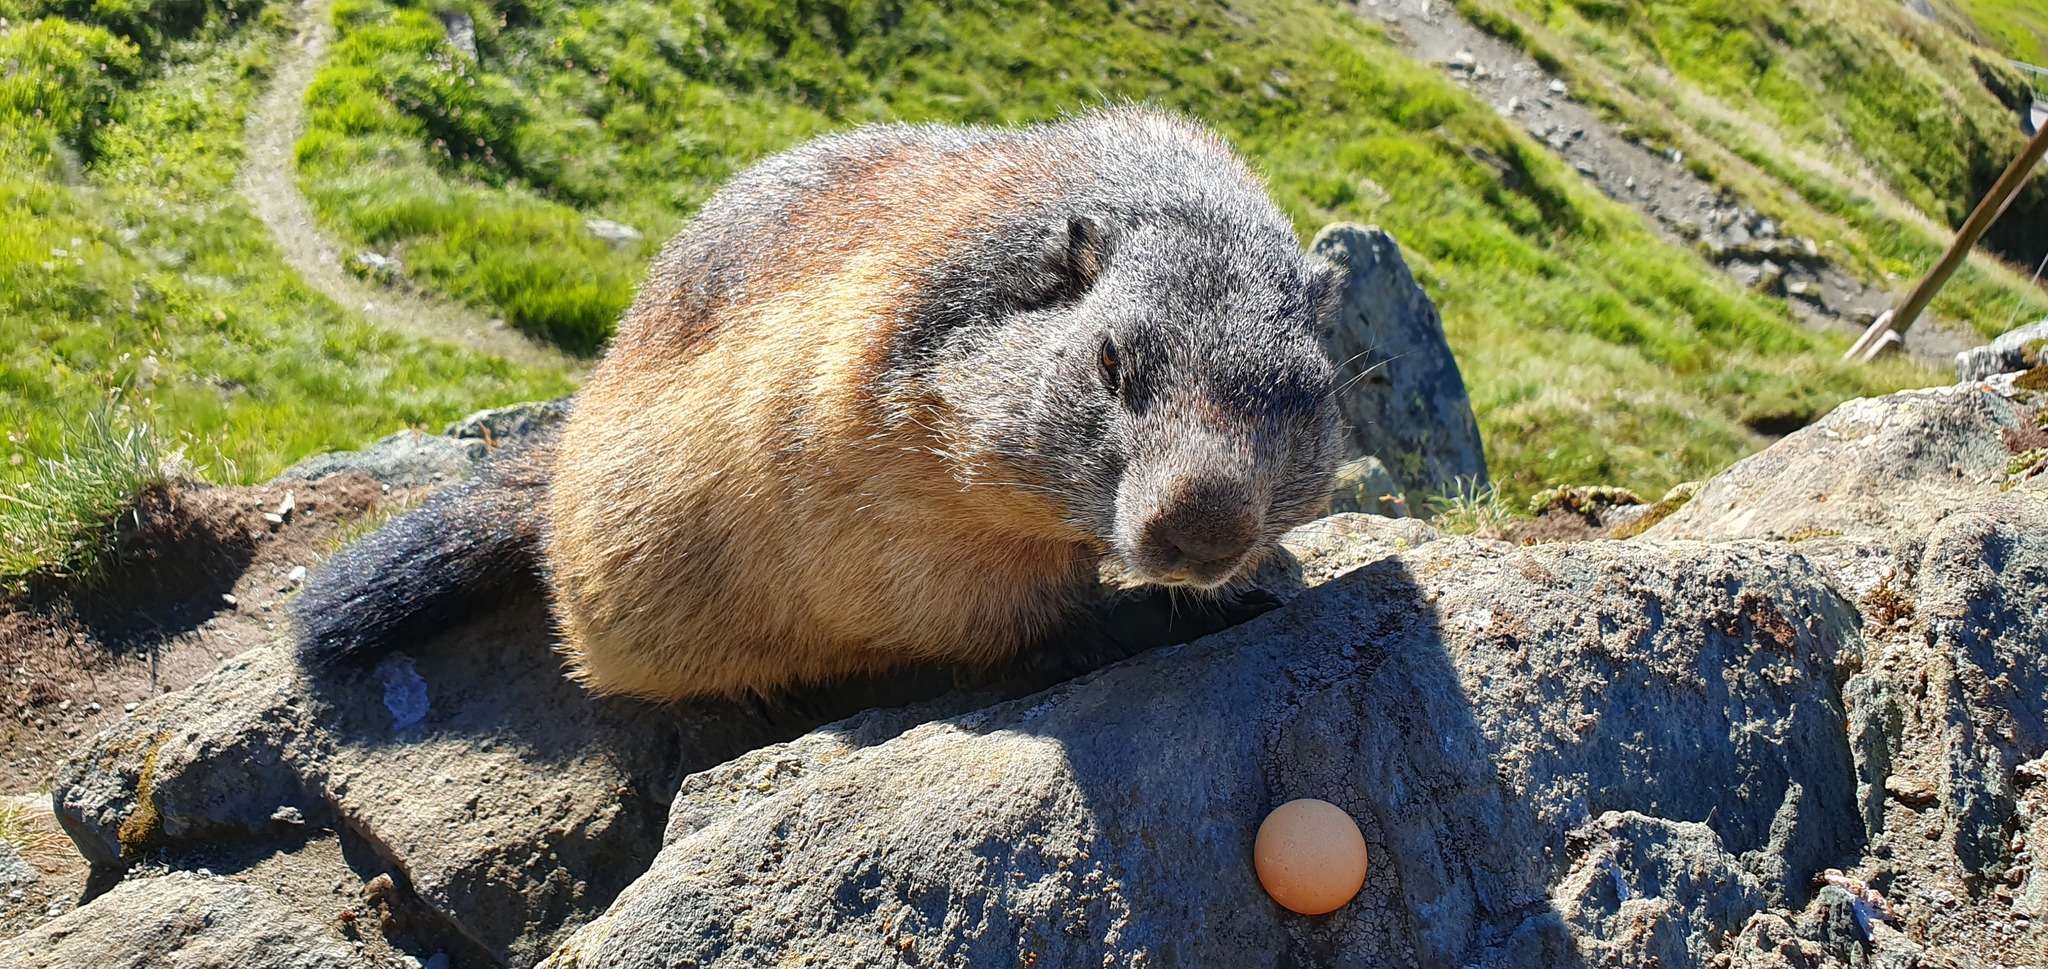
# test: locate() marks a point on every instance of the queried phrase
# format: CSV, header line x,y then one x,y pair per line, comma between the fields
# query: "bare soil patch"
x,y
197,576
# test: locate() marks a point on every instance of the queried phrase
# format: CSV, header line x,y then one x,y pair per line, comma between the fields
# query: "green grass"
x,y
1798,106
61,522
135,281
2016,28
1594,352
1477,511
19,828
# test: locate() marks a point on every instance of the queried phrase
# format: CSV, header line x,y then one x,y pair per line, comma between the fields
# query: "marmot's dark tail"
x,y
431,567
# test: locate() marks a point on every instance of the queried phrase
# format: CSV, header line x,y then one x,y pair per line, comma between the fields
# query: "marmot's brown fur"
x,y
891,397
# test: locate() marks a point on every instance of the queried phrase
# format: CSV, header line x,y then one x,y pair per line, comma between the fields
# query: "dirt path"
x,y
270,180
1678,204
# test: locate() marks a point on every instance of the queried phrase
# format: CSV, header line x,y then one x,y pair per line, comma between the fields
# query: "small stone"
x,y
273,517
376,265
129,707
296,575
616,233
379,888
1917,793
14,870
1557,87
229,598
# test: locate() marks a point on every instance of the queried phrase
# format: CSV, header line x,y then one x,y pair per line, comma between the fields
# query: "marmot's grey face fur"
x,y
1153,370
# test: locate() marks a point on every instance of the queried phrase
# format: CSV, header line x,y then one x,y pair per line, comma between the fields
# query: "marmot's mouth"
x,y
1203,577
1183,572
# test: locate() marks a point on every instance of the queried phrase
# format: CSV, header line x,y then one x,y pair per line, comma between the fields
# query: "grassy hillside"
x,y
1595,352
134,282
145,318
2016,28
1855,122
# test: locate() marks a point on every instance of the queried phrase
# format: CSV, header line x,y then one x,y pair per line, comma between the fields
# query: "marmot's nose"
x,y
1204,531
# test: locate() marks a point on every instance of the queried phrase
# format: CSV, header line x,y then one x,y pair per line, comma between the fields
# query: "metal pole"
x,y
1987,212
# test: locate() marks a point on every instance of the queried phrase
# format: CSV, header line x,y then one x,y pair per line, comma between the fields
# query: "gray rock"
x,y
1099,820
1769,941
415,459
1645,891
517,808
1327,548
616,233
514,422
184,920
2031,899
376,265
1404,402
1983,613
2020,349
1852,472
461,31
1363,485
407,459
14,869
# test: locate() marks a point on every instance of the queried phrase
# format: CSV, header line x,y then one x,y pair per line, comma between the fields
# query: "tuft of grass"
x,y
19,829
62,522
1473,510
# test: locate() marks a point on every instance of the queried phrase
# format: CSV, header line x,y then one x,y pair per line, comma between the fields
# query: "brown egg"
x,y
1310,856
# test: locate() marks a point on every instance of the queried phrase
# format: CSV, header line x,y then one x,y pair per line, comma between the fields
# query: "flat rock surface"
x,y
181,919
406,459
1871,468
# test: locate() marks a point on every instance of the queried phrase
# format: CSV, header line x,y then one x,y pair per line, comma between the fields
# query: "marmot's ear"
x,y
1061,266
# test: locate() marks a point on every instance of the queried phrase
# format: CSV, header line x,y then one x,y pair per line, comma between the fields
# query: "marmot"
x,y
891,397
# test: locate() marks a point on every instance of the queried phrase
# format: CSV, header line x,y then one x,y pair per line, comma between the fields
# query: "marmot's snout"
x,y
1200,533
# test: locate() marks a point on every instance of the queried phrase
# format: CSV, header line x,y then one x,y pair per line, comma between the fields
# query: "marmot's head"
x,y
1142,352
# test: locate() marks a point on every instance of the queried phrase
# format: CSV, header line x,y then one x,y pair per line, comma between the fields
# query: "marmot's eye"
x,y
1110,363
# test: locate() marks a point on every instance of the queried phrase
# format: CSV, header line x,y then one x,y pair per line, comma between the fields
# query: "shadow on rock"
x,y
1497,719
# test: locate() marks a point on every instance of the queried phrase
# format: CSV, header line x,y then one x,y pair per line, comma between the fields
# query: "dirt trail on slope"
x,y
1681,206
270,181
